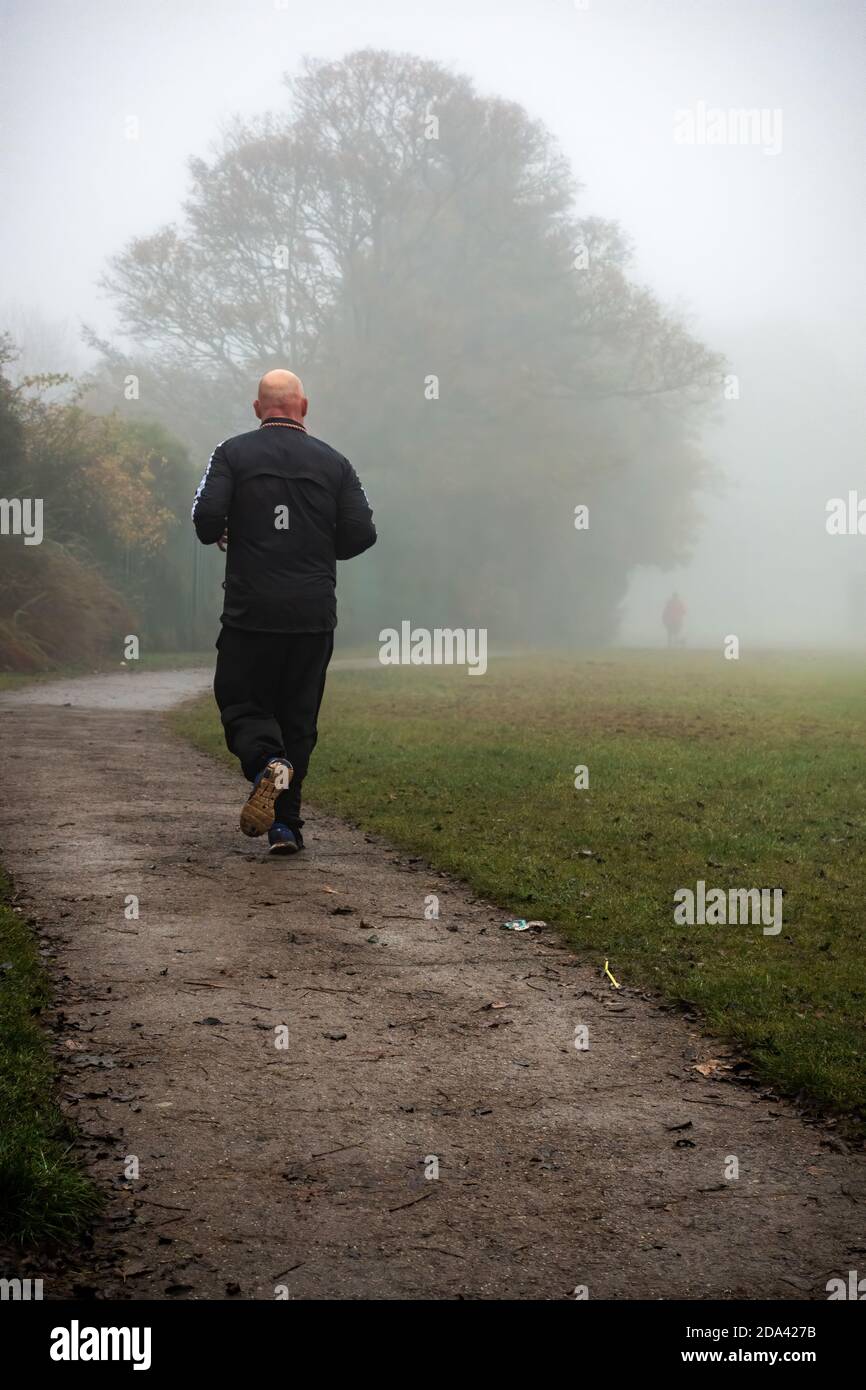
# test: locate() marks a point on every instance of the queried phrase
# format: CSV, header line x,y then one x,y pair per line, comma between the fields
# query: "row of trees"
x,y
479,349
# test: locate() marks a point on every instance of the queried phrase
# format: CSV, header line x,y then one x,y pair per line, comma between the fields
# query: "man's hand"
x,y
223,540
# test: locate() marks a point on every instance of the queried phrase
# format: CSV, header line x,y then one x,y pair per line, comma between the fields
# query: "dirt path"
x,y
304,1167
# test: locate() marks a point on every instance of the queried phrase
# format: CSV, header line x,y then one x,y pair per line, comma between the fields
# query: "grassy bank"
x,y
742,774
44,1196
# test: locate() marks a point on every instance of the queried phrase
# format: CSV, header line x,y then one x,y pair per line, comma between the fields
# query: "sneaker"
x,y
284,840
257,814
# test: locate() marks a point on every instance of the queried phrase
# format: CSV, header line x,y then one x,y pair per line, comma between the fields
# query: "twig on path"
x,y
414,1202
438,1250
411,993
325,1152
716,1104
321,989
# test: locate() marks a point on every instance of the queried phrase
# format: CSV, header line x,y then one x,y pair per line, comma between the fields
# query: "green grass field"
x,y
743,774
44,1195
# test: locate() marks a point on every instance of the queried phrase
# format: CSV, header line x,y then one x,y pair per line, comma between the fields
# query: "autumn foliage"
x,y
111,495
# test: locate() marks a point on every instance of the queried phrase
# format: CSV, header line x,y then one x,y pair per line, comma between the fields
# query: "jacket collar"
x,y
283,420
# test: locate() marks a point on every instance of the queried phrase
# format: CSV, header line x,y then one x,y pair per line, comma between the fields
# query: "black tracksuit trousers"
x,y
269,687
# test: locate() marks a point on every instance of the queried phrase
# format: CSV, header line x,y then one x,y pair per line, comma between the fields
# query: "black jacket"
x,y
292,507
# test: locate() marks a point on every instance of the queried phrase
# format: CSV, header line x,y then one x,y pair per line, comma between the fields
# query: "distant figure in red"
x,y
673,614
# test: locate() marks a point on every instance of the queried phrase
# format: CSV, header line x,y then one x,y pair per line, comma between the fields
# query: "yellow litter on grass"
x,y
614,982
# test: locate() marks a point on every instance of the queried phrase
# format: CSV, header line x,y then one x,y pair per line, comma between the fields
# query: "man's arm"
x,y
213,498
355,529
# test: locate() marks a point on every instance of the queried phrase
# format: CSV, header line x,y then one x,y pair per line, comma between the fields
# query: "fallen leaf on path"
x,y
715,1064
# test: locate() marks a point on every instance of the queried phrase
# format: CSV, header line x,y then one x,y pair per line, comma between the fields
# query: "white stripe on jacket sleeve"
x,y
200,489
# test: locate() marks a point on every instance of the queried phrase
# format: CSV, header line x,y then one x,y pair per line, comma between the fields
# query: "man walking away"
x,y
673,615
285,507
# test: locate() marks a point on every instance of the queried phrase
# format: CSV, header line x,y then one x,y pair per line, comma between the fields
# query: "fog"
x,y
756,244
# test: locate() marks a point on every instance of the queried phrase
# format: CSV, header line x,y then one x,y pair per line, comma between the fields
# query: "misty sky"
x,y
762,251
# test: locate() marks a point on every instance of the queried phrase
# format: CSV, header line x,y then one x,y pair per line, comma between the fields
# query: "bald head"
x,y
280,393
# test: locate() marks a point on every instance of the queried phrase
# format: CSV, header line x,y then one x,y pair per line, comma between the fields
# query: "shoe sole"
x,y
257,814
285,849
